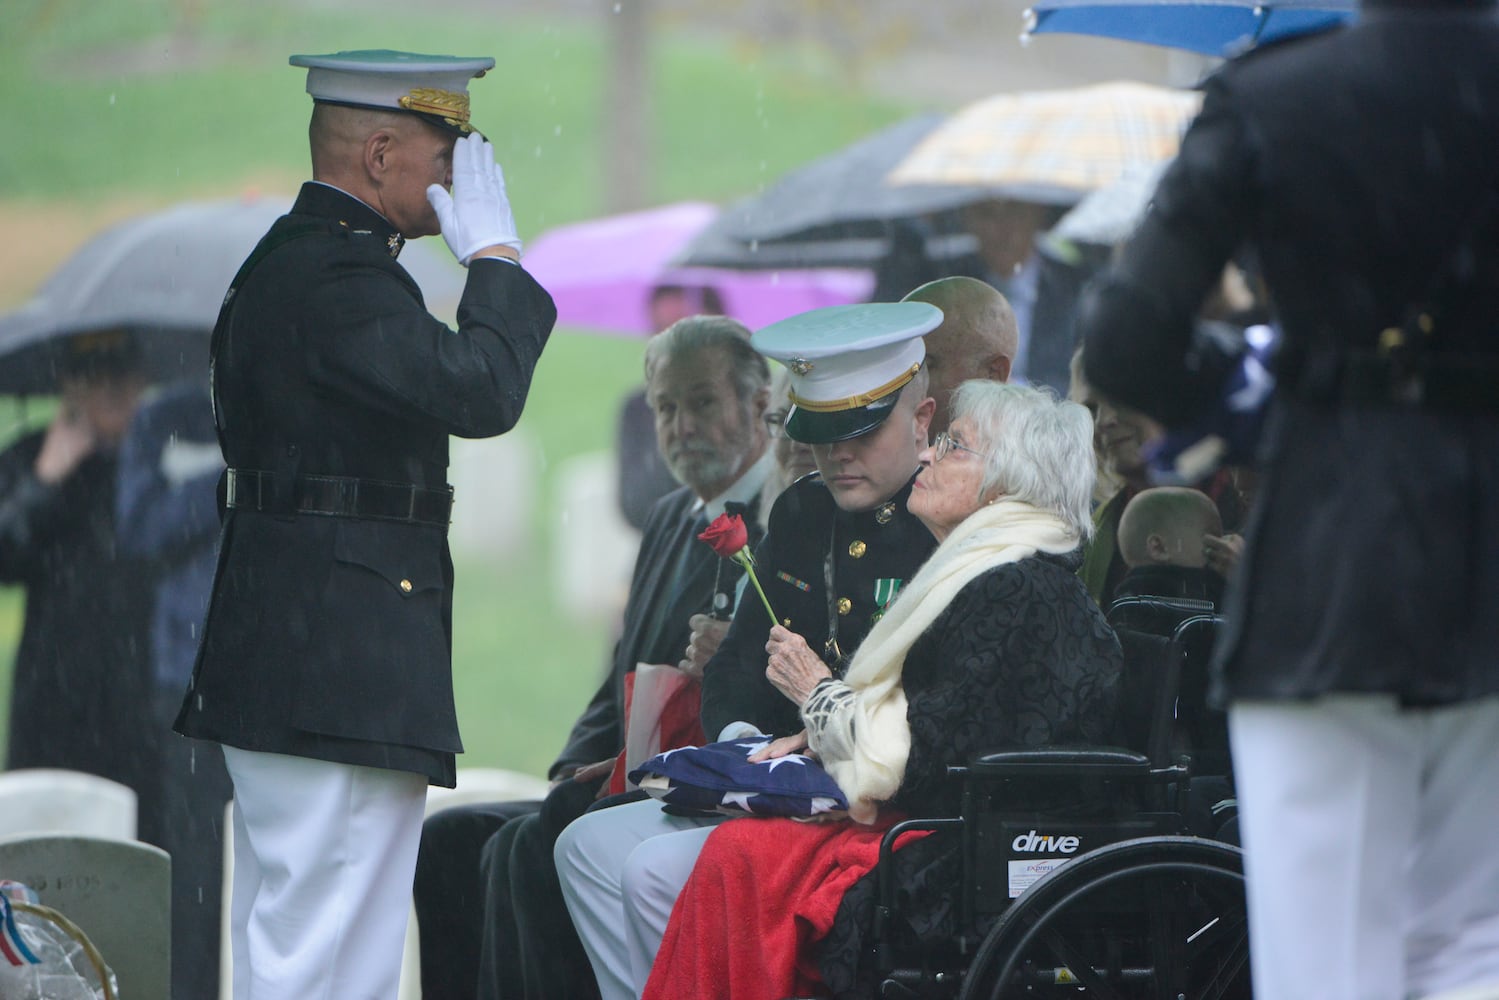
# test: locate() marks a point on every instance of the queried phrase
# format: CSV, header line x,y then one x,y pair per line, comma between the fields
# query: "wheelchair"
x,y
1093,871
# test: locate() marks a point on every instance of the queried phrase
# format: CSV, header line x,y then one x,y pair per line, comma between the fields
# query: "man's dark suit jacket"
x,y
655,619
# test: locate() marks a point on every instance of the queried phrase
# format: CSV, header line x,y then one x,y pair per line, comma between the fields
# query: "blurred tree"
x,y
626,109
858,34
187,16
947,51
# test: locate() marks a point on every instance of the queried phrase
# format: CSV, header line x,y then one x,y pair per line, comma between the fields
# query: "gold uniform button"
x,y
845,605
857,549
405,586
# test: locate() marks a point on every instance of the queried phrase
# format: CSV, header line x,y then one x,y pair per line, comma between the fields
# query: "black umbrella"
x,y
161,276
838,211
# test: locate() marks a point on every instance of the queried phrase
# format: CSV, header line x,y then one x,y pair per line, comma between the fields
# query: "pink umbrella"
x,y
601,273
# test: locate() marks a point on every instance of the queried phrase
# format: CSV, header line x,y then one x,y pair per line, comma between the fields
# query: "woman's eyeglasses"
x,y
944,444
775,423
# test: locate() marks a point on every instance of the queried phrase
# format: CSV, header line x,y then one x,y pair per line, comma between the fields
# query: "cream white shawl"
x,y
858,726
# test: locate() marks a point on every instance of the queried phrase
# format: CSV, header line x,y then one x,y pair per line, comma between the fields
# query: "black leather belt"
x,y
344,496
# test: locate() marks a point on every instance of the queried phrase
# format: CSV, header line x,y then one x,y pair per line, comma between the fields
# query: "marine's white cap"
x,y
433,87
847,364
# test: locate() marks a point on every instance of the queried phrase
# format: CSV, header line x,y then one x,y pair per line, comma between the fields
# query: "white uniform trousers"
x,y
324,857
1371,838
621,871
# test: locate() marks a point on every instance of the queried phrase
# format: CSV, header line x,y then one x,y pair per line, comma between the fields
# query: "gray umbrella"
x,y
838,211
163,276
1110,214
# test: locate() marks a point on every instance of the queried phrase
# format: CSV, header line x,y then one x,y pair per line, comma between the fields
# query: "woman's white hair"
x,y
1037,448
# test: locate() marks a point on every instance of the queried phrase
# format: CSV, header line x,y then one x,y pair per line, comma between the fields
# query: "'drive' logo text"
x,y
1037,843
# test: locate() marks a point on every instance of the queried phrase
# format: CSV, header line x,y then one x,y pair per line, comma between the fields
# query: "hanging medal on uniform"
x,y
885,591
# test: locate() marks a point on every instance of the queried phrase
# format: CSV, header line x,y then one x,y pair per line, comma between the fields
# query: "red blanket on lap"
x,y
762,893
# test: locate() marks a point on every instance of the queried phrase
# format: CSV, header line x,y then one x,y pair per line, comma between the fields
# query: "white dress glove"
x,y
477,214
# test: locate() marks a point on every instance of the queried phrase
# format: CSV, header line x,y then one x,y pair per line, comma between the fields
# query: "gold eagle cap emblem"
x,y
799,365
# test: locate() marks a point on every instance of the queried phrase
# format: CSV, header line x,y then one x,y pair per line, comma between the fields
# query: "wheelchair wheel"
x,y
1157,917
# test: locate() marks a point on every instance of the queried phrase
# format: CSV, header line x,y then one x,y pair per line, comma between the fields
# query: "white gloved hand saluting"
x,y
477,214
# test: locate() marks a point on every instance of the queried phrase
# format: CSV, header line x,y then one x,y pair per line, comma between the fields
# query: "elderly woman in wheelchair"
x,y
995,643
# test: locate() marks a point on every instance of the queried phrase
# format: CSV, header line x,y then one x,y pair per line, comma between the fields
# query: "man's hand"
x,y
1222,552
476,219
793,668
599,772
707,636
69,441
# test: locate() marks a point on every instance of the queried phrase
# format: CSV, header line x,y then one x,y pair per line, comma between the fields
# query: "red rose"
x,y
727,535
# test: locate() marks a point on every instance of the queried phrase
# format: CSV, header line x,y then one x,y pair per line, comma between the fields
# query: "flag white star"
x,y
739,799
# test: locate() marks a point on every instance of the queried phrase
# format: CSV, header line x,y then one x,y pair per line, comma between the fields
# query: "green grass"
x,y
235,112
523,667
94,126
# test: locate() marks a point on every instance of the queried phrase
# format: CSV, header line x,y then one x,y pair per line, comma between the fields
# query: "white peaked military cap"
x,y
434,88
848,364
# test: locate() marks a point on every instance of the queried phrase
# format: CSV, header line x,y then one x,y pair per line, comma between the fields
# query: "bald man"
x,y
978,337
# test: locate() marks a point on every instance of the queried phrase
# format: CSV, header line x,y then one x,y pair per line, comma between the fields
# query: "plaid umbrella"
x,y
1029,144
1209,27
838,211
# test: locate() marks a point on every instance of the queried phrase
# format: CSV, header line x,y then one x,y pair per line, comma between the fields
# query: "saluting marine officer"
x,y
839,546
324,669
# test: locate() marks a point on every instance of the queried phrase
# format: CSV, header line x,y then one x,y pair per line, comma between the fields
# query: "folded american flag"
x,y
719,778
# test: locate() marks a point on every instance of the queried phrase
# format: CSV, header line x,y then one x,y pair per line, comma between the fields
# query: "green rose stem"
x,y
745,559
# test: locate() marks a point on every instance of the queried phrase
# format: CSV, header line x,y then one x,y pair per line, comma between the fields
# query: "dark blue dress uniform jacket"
x,y
1354,164
869,550
330,637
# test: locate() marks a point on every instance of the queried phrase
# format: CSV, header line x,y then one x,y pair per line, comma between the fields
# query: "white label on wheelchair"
x,y
1027,870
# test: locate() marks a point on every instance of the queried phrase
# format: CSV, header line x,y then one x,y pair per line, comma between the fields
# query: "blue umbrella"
x,y
1209,27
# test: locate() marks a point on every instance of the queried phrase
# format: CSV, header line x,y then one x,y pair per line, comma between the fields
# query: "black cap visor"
x,y
814,427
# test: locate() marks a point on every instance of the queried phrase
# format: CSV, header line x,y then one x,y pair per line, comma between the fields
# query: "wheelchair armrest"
x,y
884,874
1076,761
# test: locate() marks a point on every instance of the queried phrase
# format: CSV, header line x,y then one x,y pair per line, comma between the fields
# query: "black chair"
x,y
1083,870
1201,731
1156,615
